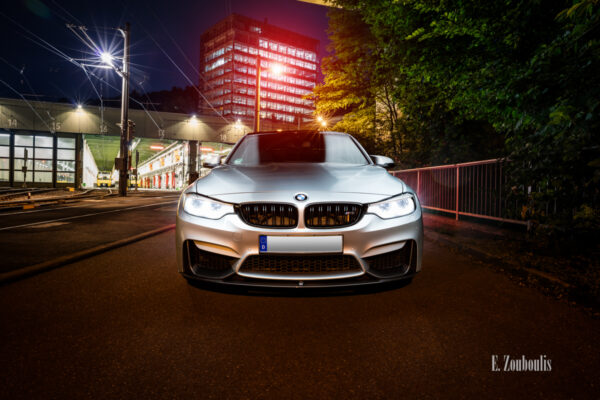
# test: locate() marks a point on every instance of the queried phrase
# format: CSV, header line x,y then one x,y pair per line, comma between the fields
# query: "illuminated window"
x,y
215,64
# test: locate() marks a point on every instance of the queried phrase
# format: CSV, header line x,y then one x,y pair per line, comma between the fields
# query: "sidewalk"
x,y
572,277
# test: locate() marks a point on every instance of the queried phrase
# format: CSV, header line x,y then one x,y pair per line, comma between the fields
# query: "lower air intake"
x,y
300,264
393,263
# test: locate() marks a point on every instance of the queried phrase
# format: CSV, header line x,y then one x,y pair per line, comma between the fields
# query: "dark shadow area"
x,y
300,291
483,221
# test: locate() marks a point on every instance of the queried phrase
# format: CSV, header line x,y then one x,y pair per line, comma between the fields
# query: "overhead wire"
x,y
182,52
181,71
21,72
29,104
51,48
67,12
187,78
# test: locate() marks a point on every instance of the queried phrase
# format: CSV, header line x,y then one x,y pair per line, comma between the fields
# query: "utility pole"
x,y
124,167
122,162
137,160
257,103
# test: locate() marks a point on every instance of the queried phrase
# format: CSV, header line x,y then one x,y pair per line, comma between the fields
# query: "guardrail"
x,y
474,189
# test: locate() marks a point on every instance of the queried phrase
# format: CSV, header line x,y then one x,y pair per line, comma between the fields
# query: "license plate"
x,y
300,244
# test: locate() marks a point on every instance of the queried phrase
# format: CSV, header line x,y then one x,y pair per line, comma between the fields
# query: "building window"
x,y
42,167
23,144
65,160
4,154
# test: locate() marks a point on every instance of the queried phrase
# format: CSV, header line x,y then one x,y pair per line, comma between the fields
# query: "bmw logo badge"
x,y
301,197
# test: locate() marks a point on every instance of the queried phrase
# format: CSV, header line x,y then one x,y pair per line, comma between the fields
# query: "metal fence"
x,y
475,189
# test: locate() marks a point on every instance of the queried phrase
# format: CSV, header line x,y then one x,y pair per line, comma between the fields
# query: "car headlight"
x,y
398,206
204,207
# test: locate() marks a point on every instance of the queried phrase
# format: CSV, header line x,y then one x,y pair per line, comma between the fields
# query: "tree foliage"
x,y
472,79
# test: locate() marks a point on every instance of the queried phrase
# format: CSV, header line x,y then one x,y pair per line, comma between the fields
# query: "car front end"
x,y
299,225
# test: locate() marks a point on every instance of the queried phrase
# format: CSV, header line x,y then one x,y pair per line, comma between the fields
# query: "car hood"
x,y
280,182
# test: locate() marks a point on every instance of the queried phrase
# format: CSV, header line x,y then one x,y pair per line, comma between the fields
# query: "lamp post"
x,y
321,122
124,114
276,69
257,101
107,59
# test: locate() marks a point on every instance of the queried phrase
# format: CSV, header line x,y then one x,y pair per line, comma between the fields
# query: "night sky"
x,y
33,70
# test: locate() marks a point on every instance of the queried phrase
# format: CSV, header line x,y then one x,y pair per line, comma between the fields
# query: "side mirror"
x,y
212,161
383,161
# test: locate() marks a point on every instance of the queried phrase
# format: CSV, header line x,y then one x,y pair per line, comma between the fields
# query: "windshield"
x,y
297,147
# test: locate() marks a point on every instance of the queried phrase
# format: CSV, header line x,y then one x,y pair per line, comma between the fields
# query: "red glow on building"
x,y
228,58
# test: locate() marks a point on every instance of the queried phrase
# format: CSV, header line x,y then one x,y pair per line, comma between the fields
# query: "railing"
x,y
475,189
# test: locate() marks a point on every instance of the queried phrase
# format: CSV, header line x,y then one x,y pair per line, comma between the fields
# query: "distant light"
x,y
277,69
79,108
193,120
207,149
106,58
323,124
157,147
279,130
320,119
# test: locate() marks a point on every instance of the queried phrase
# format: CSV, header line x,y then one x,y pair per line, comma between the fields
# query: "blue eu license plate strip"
x,y
262,243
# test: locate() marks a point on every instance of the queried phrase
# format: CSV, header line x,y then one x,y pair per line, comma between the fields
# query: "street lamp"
x,y
106,58
123,72
276,69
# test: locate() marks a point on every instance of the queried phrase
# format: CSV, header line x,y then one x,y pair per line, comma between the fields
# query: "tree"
x,y
348,78
468,75
391,111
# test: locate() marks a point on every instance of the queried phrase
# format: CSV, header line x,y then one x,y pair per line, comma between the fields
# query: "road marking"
x,y
43,209
21,273
50,225
83,216
63,207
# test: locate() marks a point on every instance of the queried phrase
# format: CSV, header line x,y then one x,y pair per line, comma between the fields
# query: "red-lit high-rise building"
x,y
228,59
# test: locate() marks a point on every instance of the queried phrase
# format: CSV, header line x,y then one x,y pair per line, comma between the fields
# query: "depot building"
x,y
48,144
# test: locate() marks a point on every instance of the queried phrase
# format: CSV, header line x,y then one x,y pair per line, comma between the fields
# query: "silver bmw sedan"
x,y
299,209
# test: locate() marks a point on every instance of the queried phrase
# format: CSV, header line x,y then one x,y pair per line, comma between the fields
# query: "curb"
x,y
524,272
50,202
32,270
55,198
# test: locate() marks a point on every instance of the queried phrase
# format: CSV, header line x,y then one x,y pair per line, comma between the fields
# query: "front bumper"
x,y
226,244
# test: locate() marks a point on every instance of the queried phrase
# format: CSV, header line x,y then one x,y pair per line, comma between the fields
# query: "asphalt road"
x,y
124,324
29,237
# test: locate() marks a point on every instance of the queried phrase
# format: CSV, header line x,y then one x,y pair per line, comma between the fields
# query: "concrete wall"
x,y
61,117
